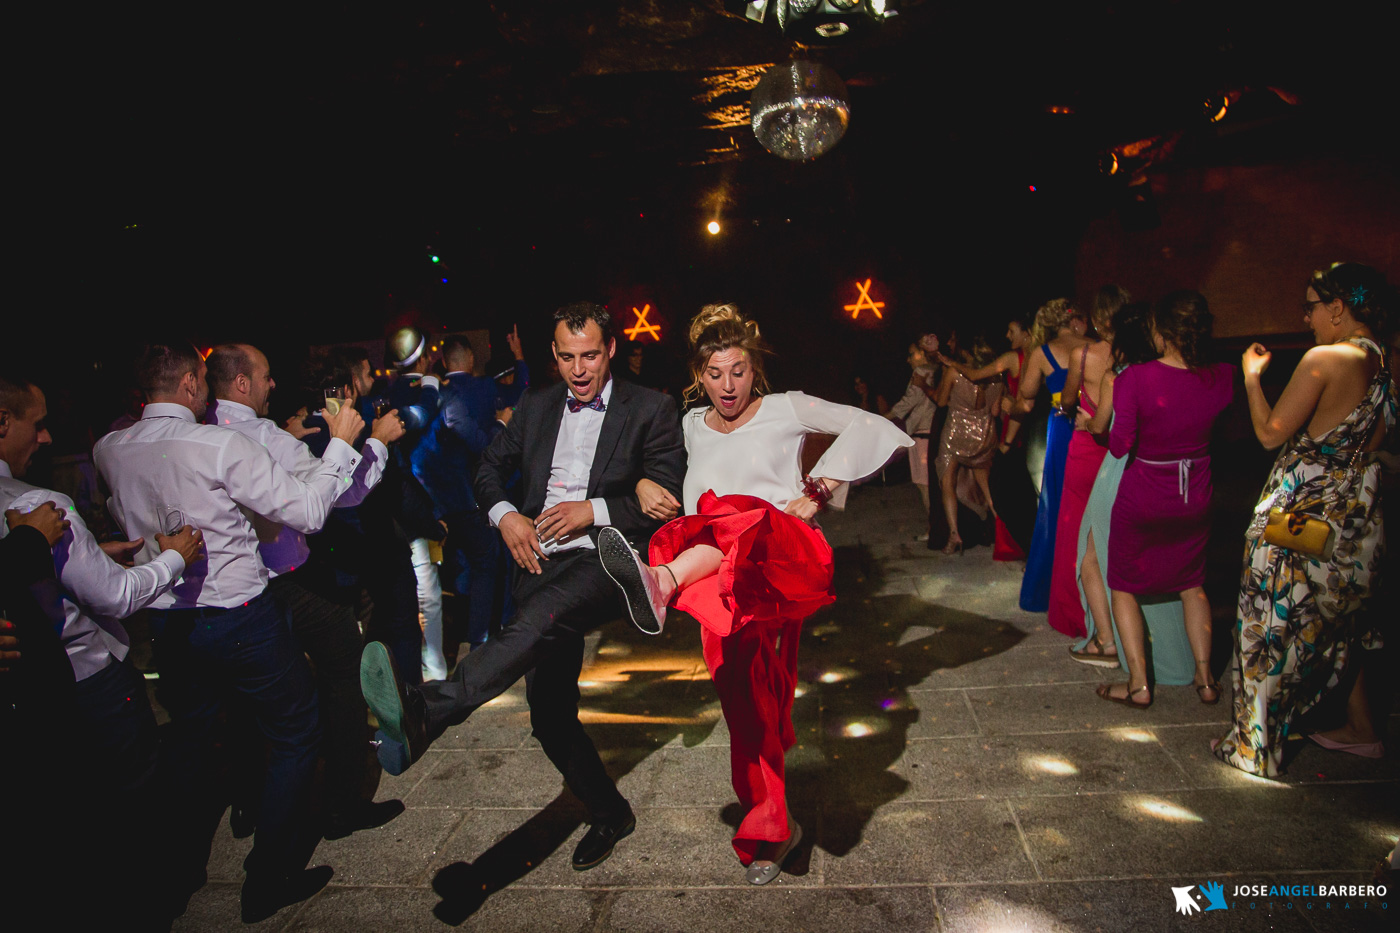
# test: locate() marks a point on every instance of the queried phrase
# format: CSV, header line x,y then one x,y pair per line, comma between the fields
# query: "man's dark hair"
x,y
576,316
16,395
455,344
161,366
335,369
225,363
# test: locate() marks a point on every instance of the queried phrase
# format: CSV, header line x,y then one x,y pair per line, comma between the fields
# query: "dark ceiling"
x,y
290,159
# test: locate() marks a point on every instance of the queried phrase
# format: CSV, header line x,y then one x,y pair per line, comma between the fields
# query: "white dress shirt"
x,y
285,549
763,457
97,591
207,473
570,469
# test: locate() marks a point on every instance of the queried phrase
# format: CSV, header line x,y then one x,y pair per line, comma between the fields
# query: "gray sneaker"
x,y
634,578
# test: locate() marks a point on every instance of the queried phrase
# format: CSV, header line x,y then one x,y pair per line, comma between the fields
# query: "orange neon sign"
x,y
642,326
864,302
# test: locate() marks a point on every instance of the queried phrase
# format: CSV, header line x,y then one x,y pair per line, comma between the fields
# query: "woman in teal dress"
x,y
1054,333
1172,661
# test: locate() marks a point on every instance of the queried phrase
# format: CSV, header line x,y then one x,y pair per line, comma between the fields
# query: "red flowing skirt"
x,y
775,570
774,566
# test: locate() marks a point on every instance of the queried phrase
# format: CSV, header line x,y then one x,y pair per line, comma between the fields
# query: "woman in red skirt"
x,y
746,559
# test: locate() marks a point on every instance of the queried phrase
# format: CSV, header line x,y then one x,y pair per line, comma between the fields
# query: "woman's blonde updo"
x,y
718,328
1052,315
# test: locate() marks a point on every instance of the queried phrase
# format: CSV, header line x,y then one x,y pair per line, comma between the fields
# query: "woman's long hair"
x,y
718,328
1052,315
1132,335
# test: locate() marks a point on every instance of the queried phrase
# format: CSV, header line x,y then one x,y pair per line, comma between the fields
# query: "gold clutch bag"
x,y
1305,534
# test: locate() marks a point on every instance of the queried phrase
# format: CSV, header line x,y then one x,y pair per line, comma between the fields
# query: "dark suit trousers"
x,y
544,643
206,656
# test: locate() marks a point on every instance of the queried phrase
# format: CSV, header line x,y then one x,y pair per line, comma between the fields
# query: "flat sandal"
x,y
1102,691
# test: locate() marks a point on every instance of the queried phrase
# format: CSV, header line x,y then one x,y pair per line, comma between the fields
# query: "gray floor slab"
x,y
1291,828
1035,765
953,771
923,843
774,907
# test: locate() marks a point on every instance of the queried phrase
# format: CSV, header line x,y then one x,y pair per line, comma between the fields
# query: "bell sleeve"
x,y
864,441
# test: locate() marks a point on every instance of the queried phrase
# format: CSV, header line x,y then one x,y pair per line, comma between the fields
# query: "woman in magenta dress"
x,y
1163,414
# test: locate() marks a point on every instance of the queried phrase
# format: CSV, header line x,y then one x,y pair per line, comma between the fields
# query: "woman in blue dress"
x,y
1055,339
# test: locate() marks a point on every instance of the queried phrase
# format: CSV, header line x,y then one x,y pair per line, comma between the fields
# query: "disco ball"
x,y
800,110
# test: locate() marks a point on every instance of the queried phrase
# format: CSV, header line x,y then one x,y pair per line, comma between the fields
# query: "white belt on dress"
x,y
1183,472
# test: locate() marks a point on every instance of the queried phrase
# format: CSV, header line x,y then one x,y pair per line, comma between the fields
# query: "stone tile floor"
x,y
954,772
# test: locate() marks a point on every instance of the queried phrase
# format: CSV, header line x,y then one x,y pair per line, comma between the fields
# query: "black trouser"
x,y
544,640
205,656
327,631
393,588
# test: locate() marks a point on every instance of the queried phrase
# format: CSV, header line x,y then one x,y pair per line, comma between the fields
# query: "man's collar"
x,y
167,410
227,411
5,470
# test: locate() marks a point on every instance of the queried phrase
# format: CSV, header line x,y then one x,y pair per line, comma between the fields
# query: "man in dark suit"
x,y
581,447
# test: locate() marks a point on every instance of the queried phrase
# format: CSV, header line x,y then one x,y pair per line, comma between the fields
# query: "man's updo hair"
x,y
1183,319
1363,290
1052,315
718,328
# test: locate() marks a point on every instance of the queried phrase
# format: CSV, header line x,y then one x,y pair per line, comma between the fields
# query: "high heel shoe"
x,y
954,545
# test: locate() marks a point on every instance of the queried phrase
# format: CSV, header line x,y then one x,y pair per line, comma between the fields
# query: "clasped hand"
x,y
656,502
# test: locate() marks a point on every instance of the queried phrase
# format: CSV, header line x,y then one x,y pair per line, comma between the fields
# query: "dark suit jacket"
x,y
641,437
446,459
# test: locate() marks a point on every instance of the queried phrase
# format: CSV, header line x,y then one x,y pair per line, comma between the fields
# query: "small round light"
x,y
713,227
435,259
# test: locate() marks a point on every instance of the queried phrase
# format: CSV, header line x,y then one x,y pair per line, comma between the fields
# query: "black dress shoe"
x,y
364,815
264,895
597,844
242,821
398,709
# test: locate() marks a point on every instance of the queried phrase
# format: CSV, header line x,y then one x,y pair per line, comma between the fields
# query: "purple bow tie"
x,y
575,406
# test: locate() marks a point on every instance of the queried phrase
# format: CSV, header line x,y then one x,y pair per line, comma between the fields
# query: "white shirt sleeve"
x,y
255,481
499,511
864,441
98,584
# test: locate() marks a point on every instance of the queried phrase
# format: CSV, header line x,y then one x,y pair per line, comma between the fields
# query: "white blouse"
x,y
763,457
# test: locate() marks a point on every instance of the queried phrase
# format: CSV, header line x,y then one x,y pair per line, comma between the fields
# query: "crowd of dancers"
x,y
290,573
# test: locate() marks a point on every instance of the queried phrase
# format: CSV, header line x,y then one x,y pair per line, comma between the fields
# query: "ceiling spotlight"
x,y
800,110
1216,107
713,227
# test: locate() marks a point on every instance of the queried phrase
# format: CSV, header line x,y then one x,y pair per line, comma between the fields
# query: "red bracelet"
x,y
817,491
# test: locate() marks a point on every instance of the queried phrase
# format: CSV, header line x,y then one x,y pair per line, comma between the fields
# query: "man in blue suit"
x,y
446,462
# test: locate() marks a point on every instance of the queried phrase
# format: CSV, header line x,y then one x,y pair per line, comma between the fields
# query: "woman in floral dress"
x,y
1300,617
